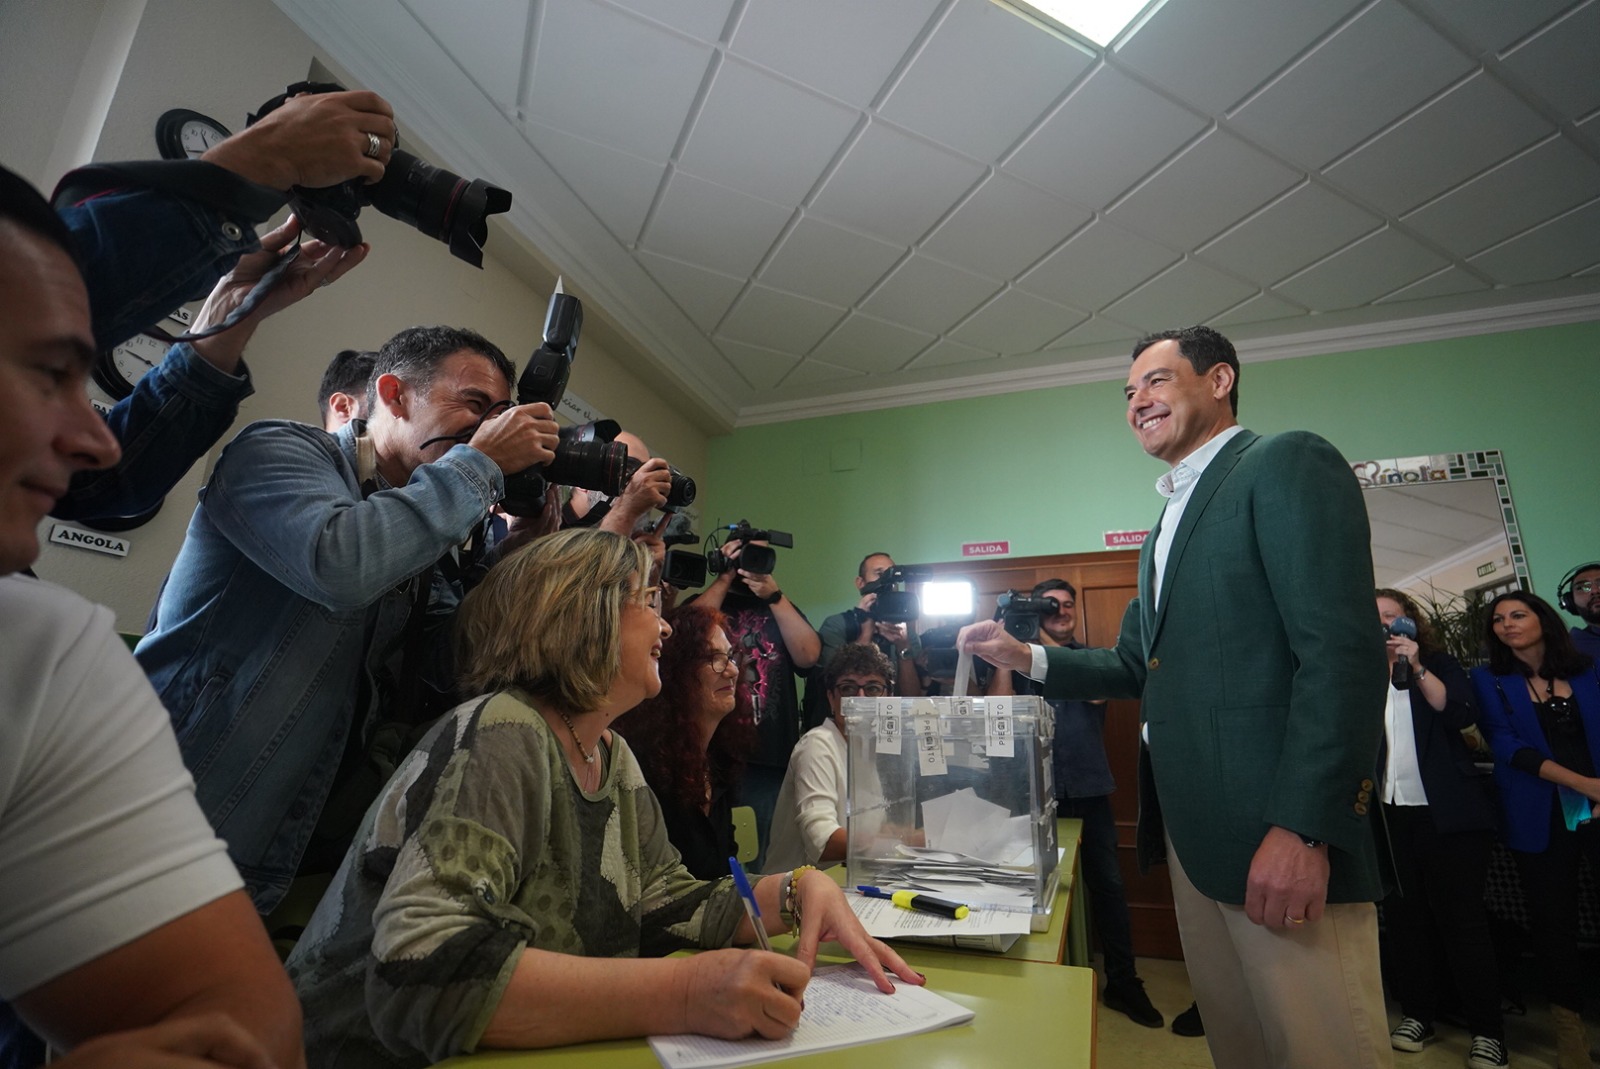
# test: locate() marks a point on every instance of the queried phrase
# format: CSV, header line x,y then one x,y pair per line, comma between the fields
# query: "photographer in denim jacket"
x,y
155,234
305,576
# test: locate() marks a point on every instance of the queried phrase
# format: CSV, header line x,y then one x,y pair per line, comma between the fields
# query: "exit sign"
x,y
1486,569
985,549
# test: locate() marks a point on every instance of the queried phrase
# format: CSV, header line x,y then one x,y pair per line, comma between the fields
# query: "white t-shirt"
x,y
811,801
100,835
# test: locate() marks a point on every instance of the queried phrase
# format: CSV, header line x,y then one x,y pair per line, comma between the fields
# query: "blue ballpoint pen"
x,y
751,910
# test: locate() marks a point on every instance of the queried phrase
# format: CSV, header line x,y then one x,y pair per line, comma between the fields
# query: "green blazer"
x,y
1261,675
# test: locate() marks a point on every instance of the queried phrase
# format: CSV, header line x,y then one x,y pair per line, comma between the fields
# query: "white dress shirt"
x,y
1402,776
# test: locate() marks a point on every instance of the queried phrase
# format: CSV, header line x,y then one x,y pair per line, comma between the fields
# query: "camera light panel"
x,y
947,598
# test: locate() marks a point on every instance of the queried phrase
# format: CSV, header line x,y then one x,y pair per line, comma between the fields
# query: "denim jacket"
x,y
286,578
144,252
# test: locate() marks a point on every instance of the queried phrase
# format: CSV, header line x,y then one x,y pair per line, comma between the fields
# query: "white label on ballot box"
x,y
1000,733
930,746
888,725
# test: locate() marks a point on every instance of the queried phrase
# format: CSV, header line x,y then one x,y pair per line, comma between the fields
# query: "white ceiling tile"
x,y
828,263
846,48
742,110
944,353
697,18
1191,292
925,294
1377,68
982,79
1298,229
1374,266
871,345
894,185
1098,331
1004,227
1522,192
762,368
1083,151
1018,322
1216,182
604,75
705,296
1561,247
816,373
1262,308
1450,281
1493,25
714,227
1426,154
617,187
777,320
1099,264
486,38
1559,62
1197,51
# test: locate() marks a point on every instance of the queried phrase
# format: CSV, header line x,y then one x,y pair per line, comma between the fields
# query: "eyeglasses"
x,y
719,662
871,690
650,598
1588,586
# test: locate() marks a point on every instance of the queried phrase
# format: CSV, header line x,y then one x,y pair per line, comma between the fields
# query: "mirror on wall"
x,y
1443,526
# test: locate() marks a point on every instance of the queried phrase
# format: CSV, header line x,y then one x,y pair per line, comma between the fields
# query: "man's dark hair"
x,y
25,206
1203,347
414,355
858,660
1040,589
861,569
349,372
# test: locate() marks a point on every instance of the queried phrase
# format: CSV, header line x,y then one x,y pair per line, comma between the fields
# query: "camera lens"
x,y
438,203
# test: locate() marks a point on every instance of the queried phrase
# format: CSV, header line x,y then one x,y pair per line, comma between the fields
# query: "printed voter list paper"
x,y
843,1009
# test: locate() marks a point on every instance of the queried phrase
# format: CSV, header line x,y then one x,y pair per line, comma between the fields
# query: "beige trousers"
x,y
1309,997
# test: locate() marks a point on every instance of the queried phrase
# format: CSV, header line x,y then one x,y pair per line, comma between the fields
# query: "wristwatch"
x,y
1422,673
1313,843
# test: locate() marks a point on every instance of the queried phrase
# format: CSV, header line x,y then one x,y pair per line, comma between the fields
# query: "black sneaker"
x,y
1411,1035
1128,997
1487,1053
1188,1023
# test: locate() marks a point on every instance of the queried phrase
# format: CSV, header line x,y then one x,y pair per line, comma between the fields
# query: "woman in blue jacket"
x,y
1540,700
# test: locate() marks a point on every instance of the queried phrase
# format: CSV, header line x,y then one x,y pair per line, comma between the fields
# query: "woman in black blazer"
x,y
1440,820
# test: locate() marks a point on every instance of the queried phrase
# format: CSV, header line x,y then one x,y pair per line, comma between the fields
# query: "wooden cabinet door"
x,y
1105,582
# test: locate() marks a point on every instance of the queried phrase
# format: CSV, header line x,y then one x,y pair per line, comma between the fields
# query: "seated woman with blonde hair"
x,y
513,886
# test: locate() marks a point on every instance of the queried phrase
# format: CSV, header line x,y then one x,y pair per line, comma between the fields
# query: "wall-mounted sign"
x,y
65,535
985,549
1126,539
1486,568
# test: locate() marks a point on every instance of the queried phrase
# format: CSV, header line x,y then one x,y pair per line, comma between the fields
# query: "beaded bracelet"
x,y
789,911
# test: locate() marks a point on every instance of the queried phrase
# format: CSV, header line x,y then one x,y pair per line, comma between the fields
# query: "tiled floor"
x,y
1121,1044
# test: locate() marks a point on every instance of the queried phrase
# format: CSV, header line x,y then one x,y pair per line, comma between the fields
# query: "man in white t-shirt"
x,y
808,826
125,937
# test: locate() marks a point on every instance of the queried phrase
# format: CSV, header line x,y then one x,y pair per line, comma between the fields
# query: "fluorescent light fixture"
x,y
947,598
1096,20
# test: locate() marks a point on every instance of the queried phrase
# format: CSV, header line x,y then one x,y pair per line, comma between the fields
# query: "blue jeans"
x,y
1102,878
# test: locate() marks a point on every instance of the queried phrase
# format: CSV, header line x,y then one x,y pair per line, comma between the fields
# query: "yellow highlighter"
x,y
919,902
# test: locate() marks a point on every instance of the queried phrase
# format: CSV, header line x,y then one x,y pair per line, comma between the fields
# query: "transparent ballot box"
x,y
953,797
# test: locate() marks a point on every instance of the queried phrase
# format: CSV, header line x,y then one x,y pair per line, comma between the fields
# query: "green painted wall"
x,y
1051,470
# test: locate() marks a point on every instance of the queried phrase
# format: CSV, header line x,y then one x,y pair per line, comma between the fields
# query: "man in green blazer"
x,y
1256,654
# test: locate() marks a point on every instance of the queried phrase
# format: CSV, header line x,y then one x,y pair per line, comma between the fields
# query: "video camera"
x,y
896,606
1021,613
437,203
759,559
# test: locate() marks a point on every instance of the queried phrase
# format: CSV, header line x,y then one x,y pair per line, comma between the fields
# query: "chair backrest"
x,y
744,833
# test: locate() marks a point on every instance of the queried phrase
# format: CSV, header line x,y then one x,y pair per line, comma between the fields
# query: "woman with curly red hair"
x,y
691,739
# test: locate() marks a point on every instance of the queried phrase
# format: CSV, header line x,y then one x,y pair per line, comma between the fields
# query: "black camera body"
x,y
434,201
896,606
1021,613
758,559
